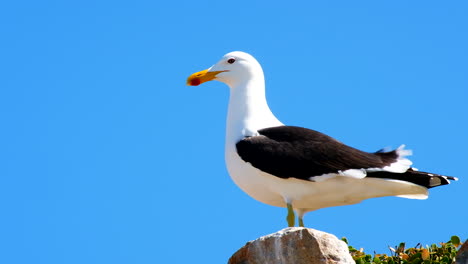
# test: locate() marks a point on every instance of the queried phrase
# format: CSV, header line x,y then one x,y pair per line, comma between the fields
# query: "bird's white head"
x,y
233,69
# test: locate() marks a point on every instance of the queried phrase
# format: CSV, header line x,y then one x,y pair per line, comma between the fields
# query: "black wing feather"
x,y
426,179
289,151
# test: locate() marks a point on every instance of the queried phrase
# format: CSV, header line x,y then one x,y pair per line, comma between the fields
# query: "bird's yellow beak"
x,y
201,77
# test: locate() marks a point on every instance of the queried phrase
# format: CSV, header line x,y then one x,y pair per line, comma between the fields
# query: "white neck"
x,y
248,110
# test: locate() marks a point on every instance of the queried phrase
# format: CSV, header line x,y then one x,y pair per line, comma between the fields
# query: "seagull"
x,y
299,168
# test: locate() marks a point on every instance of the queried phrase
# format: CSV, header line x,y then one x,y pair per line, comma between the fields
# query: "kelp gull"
x,y
298,168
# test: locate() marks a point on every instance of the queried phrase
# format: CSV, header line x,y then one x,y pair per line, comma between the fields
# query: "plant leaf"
x,y
425,254
455,240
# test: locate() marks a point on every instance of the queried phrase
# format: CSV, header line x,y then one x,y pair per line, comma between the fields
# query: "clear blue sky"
x,y
107,157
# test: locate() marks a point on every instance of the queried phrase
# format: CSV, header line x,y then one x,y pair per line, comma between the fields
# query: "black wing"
x,y
289,151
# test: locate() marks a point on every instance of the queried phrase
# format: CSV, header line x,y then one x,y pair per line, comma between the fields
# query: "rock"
x,y
294,245
462,255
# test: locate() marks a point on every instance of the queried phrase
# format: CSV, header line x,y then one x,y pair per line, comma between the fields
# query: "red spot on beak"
x,y
195,82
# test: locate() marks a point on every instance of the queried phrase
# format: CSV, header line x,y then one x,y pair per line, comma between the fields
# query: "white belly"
x,y
309,196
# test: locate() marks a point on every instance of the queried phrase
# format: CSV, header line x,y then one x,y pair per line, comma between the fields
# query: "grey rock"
x,y
462,255
294,245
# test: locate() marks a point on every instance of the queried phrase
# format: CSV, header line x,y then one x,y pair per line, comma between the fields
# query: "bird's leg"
x,y
301,222
290,217
300,215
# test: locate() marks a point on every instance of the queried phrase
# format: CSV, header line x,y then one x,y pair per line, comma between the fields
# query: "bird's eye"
x,y
231,60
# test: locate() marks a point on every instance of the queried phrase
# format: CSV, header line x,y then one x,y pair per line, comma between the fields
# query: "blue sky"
x,y
109,158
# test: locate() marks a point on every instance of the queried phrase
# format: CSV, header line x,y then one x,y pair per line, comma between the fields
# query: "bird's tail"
x,y
425,179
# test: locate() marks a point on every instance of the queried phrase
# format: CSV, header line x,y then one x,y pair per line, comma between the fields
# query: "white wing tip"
x,y
402,152
402,164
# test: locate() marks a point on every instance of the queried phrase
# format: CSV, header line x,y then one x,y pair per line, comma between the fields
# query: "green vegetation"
x,y
444,254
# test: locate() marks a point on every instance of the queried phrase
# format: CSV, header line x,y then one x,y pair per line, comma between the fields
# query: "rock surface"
x,y
462,256
294,245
